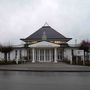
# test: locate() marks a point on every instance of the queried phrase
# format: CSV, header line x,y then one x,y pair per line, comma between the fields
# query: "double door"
x,y
44,55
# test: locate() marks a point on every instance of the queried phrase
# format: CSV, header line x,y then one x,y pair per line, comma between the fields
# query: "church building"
x,y
45,45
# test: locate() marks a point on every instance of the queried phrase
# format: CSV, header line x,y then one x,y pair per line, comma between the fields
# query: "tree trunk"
x,y
5,57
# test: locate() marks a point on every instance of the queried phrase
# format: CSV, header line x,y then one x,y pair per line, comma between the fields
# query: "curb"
x,y
44,70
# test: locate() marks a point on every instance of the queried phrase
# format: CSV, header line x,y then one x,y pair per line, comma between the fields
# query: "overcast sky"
x,y
20,18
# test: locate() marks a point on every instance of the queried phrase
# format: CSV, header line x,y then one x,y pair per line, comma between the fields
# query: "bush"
x,y
67,61
2,62
19,62
80,62
9,62
87,63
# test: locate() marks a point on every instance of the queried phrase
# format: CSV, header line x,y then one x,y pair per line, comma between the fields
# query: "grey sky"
x,y
20,18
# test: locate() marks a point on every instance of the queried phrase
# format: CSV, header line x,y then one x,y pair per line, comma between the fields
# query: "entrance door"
x,y
47,55
44,55
41,55
59,55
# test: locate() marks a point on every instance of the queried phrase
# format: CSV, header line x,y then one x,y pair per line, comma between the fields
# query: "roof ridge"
x,y
46,24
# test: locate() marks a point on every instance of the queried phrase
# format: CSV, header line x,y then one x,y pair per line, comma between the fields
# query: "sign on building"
x,y
78,52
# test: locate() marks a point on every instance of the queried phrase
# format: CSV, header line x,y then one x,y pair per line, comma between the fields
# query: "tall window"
x,y
15,54
41,54
9,56
20,54
47,54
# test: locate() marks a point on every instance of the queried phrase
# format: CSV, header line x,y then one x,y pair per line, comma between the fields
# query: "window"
x,y
20,54
9,56
34,42
58,42
15,54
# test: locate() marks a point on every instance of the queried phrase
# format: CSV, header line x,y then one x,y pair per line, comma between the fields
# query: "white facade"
x,y
1,56
68,54
45,45
44,52
17,53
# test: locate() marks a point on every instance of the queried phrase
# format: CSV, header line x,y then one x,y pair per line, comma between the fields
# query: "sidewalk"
x,y
45,67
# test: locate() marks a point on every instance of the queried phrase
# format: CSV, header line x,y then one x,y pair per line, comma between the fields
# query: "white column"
x,y
33,59
28,54
50,57
55,55
71,60
34,54
44,55
39,54
16,60
70,55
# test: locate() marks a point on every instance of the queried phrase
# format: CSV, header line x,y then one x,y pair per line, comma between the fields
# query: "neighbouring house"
x,y
46,45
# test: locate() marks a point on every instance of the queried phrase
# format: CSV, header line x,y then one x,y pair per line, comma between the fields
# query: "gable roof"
x,y
50,34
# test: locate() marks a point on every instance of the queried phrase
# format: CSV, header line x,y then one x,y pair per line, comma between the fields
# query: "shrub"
x,y
67,61
9,62
87,63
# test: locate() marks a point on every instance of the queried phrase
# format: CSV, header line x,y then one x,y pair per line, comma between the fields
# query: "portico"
x,y
45,45
44,52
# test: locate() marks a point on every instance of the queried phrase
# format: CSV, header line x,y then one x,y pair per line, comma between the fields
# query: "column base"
x,y
55,61
33,61
70,62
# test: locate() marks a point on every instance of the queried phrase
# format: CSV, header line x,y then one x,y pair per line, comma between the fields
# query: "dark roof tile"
x,y
50,34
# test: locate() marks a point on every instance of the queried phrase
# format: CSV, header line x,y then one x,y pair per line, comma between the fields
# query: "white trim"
x,y
44,44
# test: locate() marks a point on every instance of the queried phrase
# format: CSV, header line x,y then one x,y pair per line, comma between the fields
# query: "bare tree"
x,y
85,45
5,49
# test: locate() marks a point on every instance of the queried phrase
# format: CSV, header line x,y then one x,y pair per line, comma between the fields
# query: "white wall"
x,y
24,52
13,54
68,53
1,56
